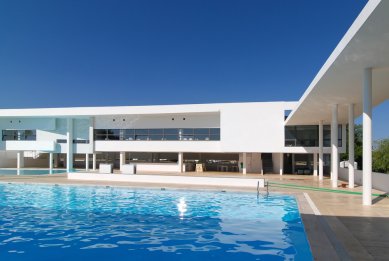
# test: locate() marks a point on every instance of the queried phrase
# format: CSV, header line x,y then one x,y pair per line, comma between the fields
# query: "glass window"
x,y
215,131
30,135
9,135
141,137
156,137
141,131
80,141
339,135
8,132
100,134
187,137
304,135
186,131
308,136
201,131
101,131
156,131
155,134
201,137
128,137
100,137
171,131
113,134
215,137
19,135
128,134
113,137
171,137
327,136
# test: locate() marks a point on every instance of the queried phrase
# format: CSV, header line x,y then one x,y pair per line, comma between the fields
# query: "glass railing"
x,y
183,134
18,135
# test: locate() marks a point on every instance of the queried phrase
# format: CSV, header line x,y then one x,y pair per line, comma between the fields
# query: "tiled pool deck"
x,y
340,228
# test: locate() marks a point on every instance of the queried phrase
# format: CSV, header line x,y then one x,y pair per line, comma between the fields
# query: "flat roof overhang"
x,y
183,109
340,80
75,112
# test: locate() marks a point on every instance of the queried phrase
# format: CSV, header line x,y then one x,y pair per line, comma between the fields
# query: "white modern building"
x,y
233,137
303,137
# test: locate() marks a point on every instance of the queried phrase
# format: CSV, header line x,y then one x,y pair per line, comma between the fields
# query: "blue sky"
x,y
97,53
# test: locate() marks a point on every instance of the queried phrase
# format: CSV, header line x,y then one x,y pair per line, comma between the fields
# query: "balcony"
x,y
22,145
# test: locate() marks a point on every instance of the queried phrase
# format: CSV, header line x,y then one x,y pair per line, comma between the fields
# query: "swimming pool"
x,y
31,171
40,222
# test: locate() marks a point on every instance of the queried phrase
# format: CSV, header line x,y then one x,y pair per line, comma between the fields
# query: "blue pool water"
x,y
30,171
100,223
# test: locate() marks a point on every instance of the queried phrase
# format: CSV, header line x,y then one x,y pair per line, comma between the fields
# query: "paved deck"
x,y
337,225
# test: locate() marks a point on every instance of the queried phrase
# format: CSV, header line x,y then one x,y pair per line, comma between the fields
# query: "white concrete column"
x,y
260,163
351,146
19,161
122,159
86,162
69,145
334,146
180,161
321,156
244,169
314,164
55,159
94,161
51,162
91,135
344,136
281,163
367,136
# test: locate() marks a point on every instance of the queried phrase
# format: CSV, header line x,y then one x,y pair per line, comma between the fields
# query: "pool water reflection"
x,y
98,223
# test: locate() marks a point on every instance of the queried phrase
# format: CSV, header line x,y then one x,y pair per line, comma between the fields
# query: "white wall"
x,y
14,123
380,181
19,145
253,127
155,167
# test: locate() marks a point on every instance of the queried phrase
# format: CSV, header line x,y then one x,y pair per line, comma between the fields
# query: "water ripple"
x,y
38,221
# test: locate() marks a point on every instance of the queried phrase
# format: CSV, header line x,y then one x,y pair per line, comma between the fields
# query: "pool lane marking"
x,y
312,205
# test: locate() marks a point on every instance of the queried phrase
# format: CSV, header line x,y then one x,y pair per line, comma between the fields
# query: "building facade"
x,y
233,137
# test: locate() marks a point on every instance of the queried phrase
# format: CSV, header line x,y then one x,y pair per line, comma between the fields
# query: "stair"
x,y
267,163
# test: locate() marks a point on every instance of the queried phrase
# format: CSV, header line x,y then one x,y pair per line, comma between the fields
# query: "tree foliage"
x,y
358,148
381,156
380,151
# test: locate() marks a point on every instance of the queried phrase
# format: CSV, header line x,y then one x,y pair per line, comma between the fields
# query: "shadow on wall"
x,y
380,181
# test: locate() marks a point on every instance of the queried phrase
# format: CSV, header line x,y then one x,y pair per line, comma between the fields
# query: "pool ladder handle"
x,y
266,186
